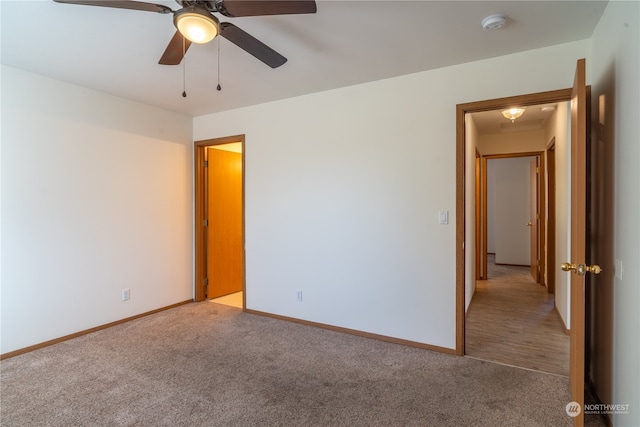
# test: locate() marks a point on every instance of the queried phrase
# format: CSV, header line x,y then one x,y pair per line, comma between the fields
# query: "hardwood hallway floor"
x,y
511,320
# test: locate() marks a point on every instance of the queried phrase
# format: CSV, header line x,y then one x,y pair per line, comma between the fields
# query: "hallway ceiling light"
x,y
513,113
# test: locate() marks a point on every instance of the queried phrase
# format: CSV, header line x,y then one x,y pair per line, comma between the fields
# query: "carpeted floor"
x,y
205,364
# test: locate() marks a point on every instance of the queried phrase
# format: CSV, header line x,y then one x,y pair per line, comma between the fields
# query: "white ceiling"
x,y
346,42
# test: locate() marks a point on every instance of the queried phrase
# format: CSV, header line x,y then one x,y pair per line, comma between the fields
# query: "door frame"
x,y
200,230
481,240
560,95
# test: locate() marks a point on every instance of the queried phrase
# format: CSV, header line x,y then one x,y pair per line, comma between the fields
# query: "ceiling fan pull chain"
x,y
218,87
184,69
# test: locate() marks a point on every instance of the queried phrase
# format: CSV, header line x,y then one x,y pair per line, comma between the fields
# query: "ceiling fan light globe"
x,y
196,26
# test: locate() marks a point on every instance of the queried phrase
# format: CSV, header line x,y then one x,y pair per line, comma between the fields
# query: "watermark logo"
x,y
606,408
573,409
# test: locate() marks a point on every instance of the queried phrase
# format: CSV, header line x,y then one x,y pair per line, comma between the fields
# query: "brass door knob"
x,y
581,269
567,267
529,224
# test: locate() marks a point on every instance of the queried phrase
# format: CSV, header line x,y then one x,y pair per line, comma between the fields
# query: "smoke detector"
x,y
494,22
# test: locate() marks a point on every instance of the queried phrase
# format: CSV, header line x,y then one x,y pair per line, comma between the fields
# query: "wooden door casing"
x,y
200,214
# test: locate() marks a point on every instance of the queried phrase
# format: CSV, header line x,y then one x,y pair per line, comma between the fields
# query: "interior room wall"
x,y
559,128
470,209
343,190
512,142
615,97
548,137
96,198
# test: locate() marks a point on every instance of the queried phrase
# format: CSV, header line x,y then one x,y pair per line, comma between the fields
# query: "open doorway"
x,y
219,221
510,314
575,162
513,224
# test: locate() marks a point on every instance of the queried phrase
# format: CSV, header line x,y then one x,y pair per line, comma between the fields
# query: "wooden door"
x,y
224,216
534,218
578,238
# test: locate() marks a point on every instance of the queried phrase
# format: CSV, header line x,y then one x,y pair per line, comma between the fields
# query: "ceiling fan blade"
x,y
134,5
236,8
175,51
252,45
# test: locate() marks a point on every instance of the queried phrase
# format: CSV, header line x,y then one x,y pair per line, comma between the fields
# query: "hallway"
x,y
512,320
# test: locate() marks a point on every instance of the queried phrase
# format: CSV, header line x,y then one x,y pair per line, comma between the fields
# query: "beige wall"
x,y
515,142
96,198
332,210
614,340
471,140
558,129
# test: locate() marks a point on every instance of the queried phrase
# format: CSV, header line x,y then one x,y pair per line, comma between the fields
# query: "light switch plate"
x,y
443,217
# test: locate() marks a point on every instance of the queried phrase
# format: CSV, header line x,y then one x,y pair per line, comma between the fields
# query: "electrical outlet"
x,y
125,294
299,295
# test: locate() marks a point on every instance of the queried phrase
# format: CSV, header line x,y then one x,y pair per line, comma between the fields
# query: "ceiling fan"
x,y
196,23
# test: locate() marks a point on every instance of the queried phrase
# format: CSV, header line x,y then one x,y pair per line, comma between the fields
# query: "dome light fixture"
x,y
494,22
196,24
513,113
